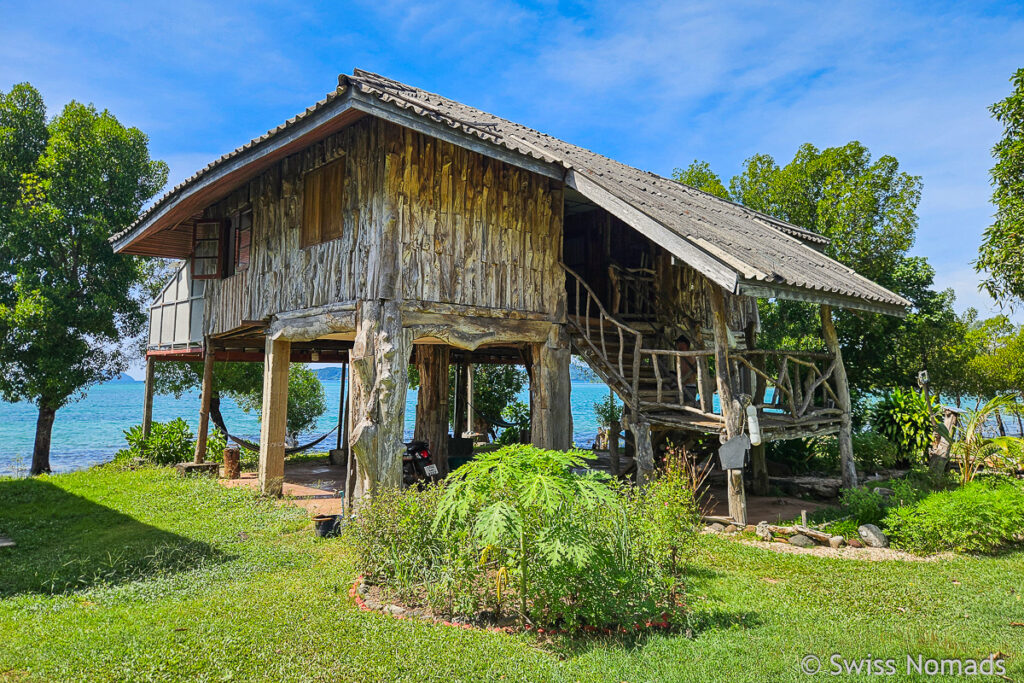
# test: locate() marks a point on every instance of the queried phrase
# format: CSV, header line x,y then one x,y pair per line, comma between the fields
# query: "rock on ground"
x,y
762,531
801,541
873,536
836,541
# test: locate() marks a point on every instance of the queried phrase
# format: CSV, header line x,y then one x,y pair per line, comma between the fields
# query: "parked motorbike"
x,y
417,464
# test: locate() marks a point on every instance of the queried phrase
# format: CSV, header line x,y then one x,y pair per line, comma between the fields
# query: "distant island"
x,y
122,379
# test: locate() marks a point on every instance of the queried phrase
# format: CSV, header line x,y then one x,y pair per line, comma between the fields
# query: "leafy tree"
x,y
867,207
67,302
243,383
1002,247
700,176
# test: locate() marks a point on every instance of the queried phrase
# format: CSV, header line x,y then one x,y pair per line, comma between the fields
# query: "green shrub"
x,y
873,452
168,444
608,410
982,516
865,505
517,530
906,419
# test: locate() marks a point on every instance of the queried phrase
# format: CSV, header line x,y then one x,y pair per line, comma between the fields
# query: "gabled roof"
x,y
745,251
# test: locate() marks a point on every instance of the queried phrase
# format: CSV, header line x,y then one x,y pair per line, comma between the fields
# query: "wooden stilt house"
x,y
386,225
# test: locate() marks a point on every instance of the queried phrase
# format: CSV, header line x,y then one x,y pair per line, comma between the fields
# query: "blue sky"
x,y
653,84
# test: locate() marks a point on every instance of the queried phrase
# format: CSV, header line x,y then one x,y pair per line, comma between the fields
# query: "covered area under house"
x,y
387,225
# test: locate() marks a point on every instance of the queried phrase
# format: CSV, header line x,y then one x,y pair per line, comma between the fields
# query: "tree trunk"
x,y
732,409
999,423
846,461
432,402
44,429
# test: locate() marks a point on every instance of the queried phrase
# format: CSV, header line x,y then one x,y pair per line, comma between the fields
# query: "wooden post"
x,y
469,398
759,467
846,463
432,360
274,422
644,453
380,377
732,410
550,412
204,403
461,400
147,401
613,447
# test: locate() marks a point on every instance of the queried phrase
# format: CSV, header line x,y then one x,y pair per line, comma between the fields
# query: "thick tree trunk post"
x,y
44,430
274,423
732,411
846,463
204,403
644,453
613,447
380,376
551,414
461,400
147,401
432,404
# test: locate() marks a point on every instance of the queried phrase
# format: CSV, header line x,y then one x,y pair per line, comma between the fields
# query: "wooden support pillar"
x,y
732,410
470,406
644,453
380,377
846,463
147,401
550,410
274,422
613,447
204,403
461,400
432,361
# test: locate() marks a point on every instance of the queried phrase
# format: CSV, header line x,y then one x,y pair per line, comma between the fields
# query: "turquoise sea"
x,y
90,431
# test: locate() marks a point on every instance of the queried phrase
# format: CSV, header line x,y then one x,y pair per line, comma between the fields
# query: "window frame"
x,y
218,258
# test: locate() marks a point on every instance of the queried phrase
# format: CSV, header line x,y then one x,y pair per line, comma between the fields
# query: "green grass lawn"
x,y
145,576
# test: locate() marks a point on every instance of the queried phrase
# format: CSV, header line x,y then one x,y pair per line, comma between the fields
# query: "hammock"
x,y
255,446
496,422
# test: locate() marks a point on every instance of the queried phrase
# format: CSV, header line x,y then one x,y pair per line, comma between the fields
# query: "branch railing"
x,y
802,382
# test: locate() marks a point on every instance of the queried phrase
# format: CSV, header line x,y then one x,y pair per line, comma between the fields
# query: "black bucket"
x,y
326,526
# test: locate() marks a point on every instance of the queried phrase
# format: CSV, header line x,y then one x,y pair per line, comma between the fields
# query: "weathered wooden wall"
x,y
472,231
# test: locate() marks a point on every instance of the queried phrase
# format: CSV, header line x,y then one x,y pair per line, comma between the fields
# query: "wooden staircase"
x,y
674,389
660,385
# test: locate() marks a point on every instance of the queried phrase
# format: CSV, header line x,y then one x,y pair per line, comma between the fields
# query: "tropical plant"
x,y
514,501
907,419
608,410
68,304
984,515
973,450
168,443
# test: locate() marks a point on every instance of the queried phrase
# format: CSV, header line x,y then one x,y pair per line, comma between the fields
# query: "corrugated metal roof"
x,y
760,248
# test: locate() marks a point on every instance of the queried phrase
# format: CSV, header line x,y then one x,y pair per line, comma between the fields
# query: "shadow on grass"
x,y
697,623
66,542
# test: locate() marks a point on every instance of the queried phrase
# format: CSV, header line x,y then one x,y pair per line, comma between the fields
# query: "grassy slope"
x,y
169,579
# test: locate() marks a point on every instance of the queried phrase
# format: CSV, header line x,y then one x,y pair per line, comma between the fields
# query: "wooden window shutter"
x,y
323,203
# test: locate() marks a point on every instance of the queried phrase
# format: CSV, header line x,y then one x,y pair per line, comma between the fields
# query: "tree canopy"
x,y
868,208
1001,255
68,304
